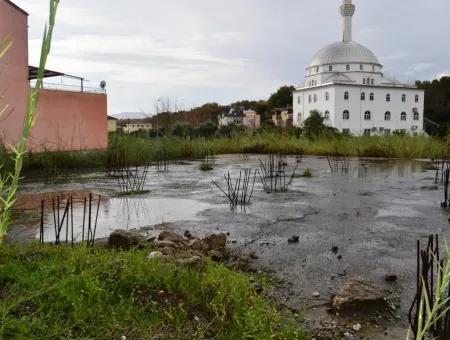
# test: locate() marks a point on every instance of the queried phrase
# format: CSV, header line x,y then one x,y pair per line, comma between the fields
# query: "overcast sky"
x,y
198,51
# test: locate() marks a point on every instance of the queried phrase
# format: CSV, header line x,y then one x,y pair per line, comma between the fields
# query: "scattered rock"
x,y
357,327
194,261
357,293
316,295
348,336
165,244
188,235
391,278
215,255
196,244
168,251
335,249
339,257
155,255
253,256
294,239
122,239
171,237
215,242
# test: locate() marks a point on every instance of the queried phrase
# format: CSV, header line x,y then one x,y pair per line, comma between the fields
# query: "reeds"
x,y
239,191
273,173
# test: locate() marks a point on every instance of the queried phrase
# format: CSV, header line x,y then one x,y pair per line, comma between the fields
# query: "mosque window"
x,y
347,67
388,97
330,68
372,96
346,95
373,68
363,96
364,81
346,115
315,98
403,98
403,116
416,115
387,116
417,98
372,81
368,81
367,115
309,98
326,115
327,96
317,70
299,100
361,67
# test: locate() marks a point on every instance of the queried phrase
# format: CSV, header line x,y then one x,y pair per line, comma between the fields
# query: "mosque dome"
x,y
344,53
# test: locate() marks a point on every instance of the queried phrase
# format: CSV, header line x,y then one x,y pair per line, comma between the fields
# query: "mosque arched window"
x,y
387,116
346,115
403,116
417,98
388,97
367,115
363,96
326,116
372,97
327,96
403,98
346,95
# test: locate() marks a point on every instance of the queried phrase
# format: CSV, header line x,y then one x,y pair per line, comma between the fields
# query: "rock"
x,y
358,293
348,336
195,244
253,256
339,257
168,251
357,327
188,235
215,255
215,242
391,278
316,295
258,287
294,239
165,244
155,255
335,250
172,237
194,261
122,239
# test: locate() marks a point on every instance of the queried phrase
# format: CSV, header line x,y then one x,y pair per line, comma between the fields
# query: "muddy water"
x,y
374,214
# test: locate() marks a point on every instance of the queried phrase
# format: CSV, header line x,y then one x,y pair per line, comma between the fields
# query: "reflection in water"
x,y
129,213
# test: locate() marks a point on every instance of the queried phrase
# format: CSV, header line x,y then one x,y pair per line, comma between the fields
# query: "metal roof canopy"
x,y
33,74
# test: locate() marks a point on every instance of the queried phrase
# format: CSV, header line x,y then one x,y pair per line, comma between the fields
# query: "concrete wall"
x,y
70,121
13,72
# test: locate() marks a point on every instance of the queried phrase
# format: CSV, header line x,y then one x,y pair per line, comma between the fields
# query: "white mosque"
x,y
345,83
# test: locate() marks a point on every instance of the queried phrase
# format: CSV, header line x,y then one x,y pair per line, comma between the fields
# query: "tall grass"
x,y
9,182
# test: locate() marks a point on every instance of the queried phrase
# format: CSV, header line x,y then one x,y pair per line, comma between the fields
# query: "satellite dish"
x,y
103,84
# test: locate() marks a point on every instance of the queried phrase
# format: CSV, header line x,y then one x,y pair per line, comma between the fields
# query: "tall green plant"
x,y
9,183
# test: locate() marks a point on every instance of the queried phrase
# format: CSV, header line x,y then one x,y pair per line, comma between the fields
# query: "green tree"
x,y
207,130
183,130
282,98
314,125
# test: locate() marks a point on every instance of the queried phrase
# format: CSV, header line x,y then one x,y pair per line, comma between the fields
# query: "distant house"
x,y
283,117
137,126
112,124
248,118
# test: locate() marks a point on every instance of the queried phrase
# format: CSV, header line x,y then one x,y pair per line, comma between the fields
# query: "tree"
x,y
207,130
314,125
282,98
183,130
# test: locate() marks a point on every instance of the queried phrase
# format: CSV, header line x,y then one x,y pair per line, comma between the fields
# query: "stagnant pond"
x,y
374,213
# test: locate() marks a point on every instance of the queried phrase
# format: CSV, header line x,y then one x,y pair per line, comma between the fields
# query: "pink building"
x,y
69,118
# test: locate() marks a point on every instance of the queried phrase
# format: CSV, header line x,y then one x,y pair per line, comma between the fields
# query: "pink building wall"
x,y
13,71
66,120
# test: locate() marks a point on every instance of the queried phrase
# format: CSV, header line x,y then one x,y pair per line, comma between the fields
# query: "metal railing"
x,y
72,88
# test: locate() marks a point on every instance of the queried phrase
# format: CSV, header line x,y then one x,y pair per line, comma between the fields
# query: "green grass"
x,y
206,167
134,150
65,293
307,173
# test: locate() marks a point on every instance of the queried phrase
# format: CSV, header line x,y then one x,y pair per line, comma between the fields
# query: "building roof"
x,y
344,53
111,118
16,7
33,73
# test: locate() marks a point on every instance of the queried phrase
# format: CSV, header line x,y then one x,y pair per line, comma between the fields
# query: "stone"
x,y
194,261
358,293
188,235
168,251
122,239
253,256
165,244
316,295
357,327
195,244
339,257
294,239
391,278
170,236
155,255
215,255
215,242
335,250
